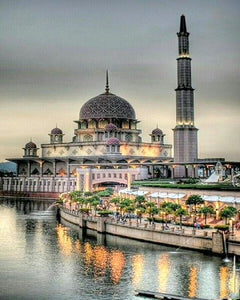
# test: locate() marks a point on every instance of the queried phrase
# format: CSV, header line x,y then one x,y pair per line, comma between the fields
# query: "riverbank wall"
x,y
213,243
42,195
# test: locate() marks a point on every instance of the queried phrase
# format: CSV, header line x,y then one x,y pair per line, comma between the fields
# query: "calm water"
x,y
41,259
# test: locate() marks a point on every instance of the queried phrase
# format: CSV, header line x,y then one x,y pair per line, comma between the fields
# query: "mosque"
x,y
107,146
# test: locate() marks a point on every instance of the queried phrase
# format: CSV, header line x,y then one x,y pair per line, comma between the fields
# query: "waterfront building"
x,y
107,146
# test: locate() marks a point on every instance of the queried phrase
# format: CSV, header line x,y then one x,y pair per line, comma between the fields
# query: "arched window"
x,y
102,123
84,125
92,124
128,137
88,138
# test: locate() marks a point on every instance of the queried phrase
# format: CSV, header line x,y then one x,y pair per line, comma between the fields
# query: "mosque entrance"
x,y
88,178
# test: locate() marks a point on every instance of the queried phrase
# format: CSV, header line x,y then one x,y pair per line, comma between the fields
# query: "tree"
x,y
166,209
140,199
206,210
152,210
88,194
110,190
228,212
194,200
124,204
181,212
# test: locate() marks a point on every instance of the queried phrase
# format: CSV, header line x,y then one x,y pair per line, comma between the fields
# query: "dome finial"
x,y
107,86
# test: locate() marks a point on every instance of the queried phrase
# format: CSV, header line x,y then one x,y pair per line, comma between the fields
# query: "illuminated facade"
x,y
106,147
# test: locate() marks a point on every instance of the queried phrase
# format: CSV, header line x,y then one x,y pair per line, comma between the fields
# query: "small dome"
x,y
157,131
56,131
31,145
111,127
112,141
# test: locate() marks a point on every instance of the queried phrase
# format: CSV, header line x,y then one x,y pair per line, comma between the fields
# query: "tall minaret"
x,y
185,133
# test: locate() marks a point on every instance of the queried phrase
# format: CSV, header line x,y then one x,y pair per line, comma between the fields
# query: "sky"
x,y
54,54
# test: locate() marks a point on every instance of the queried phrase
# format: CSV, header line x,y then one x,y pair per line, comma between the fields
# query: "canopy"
x,y
140,193
226,199
136,193
167,195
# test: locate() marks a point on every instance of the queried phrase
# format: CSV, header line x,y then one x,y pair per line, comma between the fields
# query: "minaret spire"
x,y
185,132
183,27
107,86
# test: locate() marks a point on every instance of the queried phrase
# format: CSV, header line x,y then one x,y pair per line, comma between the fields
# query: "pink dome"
x,y
112,141
157,131
111,127
31,145
56,131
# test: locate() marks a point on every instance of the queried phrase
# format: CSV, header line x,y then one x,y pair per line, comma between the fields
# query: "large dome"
x,y
107,105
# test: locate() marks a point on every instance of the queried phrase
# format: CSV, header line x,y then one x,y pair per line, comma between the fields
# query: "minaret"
x,y
185,133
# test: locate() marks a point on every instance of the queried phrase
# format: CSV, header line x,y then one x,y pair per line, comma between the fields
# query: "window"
x,y
88,138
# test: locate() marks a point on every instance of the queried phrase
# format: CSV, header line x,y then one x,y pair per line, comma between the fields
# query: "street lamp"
x,y
232,225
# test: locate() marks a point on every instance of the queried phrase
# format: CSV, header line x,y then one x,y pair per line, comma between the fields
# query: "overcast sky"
x,y
53,57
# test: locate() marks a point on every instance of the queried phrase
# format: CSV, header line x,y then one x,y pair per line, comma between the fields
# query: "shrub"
x,y
159,220
206,226
103,194
84,210
110,190
222,227
104,212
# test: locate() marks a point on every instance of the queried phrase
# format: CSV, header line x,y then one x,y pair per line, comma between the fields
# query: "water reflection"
x,y
62,262
192,282
64,241
163,272
117,262
137,267
98,260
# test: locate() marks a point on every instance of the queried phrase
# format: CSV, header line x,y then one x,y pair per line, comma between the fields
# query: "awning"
x,y
226,199
140,193
125,191
175,196
210,198
158,195
229,199
167,195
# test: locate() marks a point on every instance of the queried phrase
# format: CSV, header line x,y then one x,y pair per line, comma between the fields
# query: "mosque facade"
x,y
107,146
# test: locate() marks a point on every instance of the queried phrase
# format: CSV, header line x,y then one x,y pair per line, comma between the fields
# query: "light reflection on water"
x,y
41,259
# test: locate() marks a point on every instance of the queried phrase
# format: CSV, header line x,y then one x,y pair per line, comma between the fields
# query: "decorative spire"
x,y
183,27
107,86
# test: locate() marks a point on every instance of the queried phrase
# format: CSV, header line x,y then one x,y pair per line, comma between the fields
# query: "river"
x,y
43,259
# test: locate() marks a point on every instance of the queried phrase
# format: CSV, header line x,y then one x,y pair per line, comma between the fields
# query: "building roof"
x,y
56,131
106,106
30,145
157,131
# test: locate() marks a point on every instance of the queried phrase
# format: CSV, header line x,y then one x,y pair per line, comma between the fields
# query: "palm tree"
x,y
206,210
194,200
152,210
181,212
124,204
228,212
